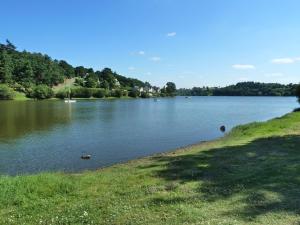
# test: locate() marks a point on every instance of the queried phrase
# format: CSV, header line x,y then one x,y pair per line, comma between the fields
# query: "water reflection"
x,y
20,118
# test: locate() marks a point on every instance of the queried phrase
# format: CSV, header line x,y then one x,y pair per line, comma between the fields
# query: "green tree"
x,y
79,81
23,72
6,93
170,88
118,93
145,95
42,92
91,80
107,75
134,93
104,84
147,84
10,46
62,94
68,70
5,67
80,71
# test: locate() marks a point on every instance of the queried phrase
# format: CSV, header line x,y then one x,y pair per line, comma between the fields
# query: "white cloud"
x,y
243,66
171,34
131,68
141,53
155,59
285,60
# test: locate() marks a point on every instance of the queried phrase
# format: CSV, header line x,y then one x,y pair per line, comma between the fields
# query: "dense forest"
x,y
242,89
36,75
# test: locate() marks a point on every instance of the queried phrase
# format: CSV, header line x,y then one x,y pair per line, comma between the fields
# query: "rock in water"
x,y
86,156
223,128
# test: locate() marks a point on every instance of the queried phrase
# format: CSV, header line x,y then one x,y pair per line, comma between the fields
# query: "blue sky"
x,y
190,42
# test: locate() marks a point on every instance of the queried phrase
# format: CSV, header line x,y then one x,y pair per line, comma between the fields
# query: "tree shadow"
x,y
263,174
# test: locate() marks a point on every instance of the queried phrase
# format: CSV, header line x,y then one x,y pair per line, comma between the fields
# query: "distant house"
x,y
147,89
117,83
137,88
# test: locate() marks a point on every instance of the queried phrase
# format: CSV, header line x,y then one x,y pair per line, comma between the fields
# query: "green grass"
x,y
251,176
20,96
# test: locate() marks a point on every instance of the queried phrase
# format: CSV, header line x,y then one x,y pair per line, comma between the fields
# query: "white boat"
x,y
70,101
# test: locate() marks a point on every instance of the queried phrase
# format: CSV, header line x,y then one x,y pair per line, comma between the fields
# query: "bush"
x,y
18,87
62,94
134,93
100,93
82,92
6,93
145,95
118,93
79,81
40,92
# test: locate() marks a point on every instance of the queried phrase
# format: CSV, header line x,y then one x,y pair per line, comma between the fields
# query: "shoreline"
x,y
229,179
22,97
180,149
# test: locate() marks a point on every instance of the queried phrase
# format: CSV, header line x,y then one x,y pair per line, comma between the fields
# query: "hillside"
x,y
24,71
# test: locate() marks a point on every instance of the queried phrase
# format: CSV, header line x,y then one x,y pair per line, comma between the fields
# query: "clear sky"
x,y
190,42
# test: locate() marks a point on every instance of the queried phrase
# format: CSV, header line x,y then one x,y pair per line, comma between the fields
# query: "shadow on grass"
x,y
263,175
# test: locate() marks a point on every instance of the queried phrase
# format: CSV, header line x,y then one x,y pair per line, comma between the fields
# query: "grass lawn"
x,y
251,176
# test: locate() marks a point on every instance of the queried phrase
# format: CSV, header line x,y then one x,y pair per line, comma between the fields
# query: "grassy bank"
x,y
251,176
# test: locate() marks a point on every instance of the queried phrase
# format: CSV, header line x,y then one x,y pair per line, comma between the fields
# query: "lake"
x,y
40,136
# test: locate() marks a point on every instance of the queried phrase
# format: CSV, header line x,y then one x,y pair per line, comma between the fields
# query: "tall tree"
x,y
91,80
10,46
107,75
69,71
5,67
170,88
80,71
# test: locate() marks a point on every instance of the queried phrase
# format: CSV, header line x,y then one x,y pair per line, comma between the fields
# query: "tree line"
x,y
298,93
36,74
242,89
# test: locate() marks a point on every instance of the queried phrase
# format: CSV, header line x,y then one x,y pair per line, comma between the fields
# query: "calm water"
x,y
52,135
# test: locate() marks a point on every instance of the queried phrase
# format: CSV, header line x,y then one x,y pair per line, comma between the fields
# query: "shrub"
x,y
62,94
118,93
18,87
134,93
82,92
100,93
40,92
79,81
145,95
6,93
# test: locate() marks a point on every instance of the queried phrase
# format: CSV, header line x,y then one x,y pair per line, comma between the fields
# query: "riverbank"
x,y
251,176
21,97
